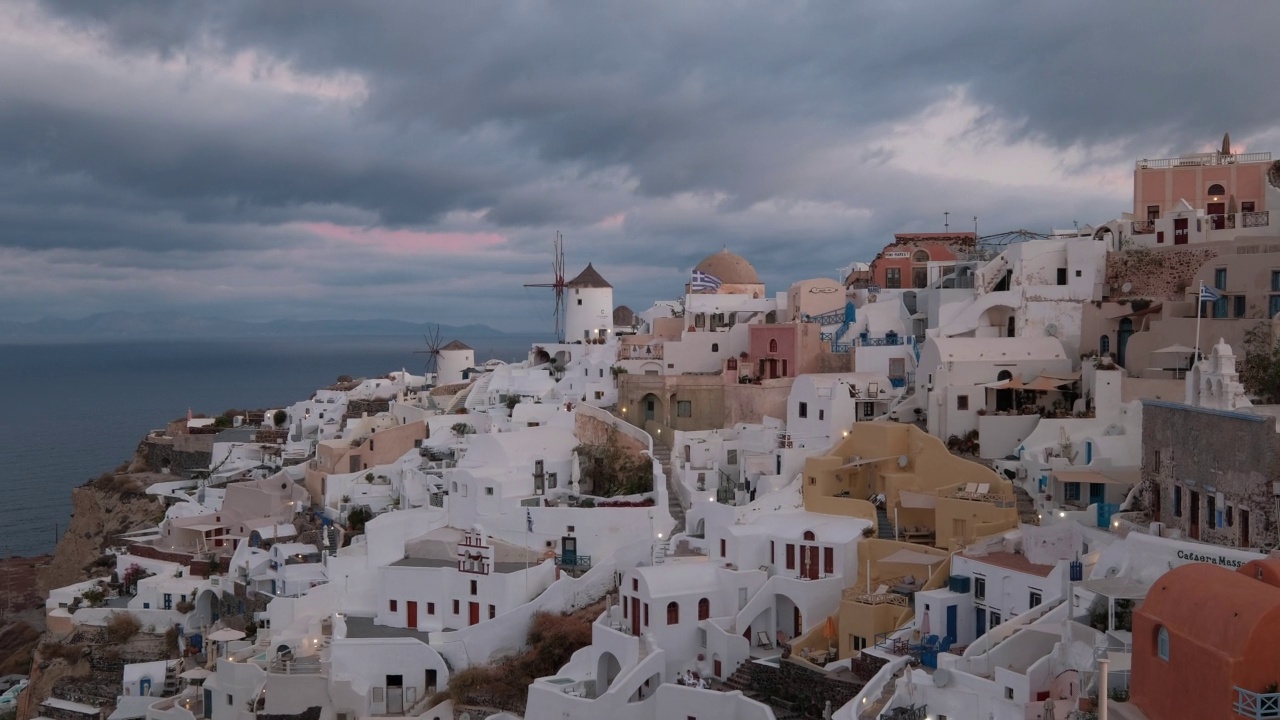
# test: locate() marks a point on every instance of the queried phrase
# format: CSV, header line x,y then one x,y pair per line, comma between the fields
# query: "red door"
x,y
411,608
1180,234
635,616
717,669
474,609
1216,215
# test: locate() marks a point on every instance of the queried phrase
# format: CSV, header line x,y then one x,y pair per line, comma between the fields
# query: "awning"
x,y
1117,588
1043,383
909,499
1119,476
913,557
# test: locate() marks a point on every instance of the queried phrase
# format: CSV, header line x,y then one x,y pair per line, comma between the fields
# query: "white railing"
x,y
1205,159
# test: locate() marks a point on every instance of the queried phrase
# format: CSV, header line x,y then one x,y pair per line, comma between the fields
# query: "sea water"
x,y
74,411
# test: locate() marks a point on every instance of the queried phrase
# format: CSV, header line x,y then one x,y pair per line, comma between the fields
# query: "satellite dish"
x,y
1051,329
1127,287
941,677
903,461
1112,572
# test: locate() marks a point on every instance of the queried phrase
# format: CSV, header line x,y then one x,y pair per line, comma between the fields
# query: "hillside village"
x,y
1020,477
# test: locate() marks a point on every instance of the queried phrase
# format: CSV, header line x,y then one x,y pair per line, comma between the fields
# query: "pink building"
x,y
915,260
1229,189
785,350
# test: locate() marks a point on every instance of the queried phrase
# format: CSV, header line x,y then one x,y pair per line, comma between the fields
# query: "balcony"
x,y
640,352
1202,160
1257,705
574,561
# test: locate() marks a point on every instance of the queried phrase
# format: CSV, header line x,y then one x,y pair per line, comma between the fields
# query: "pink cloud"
x,y
403,241
613,222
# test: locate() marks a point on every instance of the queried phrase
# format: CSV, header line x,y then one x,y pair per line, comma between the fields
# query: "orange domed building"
x,y
1204,643
736,275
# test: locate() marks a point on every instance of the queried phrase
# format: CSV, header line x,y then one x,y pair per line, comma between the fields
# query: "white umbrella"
x,y
1173,349
226,635
198,673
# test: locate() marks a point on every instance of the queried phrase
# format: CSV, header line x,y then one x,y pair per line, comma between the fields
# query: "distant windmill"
x,y
557,283
432,339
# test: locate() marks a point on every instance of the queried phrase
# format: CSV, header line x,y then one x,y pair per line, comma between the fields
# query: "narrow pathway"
x,y
662,454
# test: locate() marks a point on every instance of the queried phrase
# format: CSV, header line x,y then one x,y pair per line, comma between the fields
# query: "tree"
x,y
1260,369
610,469
280,417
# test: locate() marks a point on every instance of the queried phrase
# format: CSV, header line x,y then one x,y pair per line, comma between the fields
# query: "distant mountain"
x,y
158,325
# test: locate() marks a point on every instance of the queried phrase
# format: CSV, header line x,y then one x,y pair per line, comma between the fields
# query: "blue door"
x,y
951,623
1097,493
982,622
208,703
144,686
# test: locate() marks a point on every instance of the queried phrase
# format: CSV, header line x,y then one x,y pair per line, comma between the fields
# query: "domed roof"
x,y
729,268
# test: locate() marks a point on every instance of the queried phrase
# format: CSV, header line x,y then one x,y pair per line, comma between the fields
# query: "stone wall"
x,y
176,454
239,605
358,408
1158,273
1210,452
806,690
594,431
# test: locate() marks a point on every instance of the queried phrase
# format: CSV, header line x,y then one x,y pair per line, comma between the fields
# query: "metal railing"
x,y
1255,219
1205,159
1257,705
583,561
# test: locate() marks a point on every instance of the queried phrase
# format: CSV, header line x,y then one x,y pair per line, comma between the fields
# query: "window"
x,y
829,561
1008,693
493,612
1247,206
1062,276
168,601
635,585
962,402
1153,212
1155,461
920,256
1216,189
431,608
473,587
1240,308
791,556
995,619
715,347
684,408
731,457
673,613
1071,491
722,548
771,553
646,614
704,609
1231,512
804,410
893,277
808,535
1211,509
822,414
391,604
488,491
859,642
579,301
979,588
1035,599
1177,501
1220,278
1273,306
455,607
773,346
1162,642
1104,345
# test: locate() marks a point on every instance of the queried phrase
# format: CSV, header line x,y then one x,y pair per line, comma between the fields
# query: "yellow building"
x,y
930,496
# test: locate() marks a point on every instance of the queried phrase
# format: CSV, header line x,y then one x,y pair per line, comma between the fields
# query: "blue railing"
x,y
579,561
1257,705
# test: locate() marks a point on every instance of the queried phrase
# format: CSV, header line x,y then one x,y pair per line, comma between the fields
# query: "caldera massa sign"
x,y
1222,559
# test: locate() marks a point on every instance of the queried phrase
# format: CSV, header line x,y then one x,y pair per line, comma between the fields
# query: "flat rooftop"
x,y
364,627
500,567
1012,561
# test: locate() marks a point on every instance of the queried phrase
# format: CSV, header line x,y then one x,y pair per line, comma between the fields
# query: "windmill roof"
x,y
456,345
588,278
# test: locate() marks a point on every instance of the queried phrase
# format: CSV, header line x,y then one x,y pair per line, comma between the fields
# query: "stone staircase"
x,y
662,454
884,525
741,680
872,711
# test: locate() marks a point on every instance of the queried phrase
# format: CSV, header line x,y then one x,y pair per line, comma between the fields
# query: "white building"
x,y
822,408
589,307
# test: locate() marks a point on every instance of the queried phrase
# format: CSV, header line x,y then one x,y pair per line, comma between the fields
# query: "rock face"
x,y
100,511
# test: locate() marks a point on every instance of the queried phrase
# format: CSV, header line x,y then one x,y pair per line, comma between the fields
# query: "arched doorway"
x,y
1004,396
1122,340
607,669
652,408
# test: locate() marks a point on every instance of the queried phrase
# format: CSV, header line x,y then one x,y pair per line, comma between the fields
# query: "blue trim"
x,y
1208,411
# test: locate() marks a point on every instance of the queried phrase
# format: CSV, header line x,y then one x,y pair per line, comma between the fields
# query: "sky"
x,y
326,159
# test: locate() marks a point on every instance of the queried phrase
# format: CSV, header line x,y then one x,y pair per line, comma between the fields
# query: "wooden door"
x,y
1217,214
1195,516
799,623
635,616
474,612
717,670
411,608
1180,234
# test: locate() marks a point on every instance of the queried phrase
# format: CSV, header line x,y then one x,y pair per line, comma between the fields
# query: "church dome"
x,y
729,268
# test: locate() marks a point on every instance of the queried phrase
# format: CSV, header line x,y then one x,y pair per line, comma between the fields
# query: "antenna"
x,y
432,340
946,221
557,283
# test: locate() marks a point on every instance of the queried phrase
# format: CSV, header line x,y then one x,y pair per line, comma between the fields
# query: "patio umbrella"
x,y
924,625
197,673
1231,205
1048,710
226,635
829,629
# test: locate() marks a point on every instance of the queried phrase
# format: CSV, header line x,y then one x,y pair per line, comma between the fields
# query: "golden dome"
x,y
729,268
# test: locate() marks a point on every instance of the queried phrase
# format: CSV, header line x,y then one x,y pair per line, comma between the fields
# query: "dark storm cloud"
x,y
650,133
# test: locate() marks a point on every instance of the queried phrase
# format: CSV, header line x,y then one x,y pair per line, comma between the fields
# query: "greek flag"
x,y
703,281
1208,294
528,519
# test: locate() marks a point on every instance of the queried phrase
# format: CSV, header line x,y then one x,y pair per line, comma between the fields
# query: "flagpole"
x,y
1199,307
